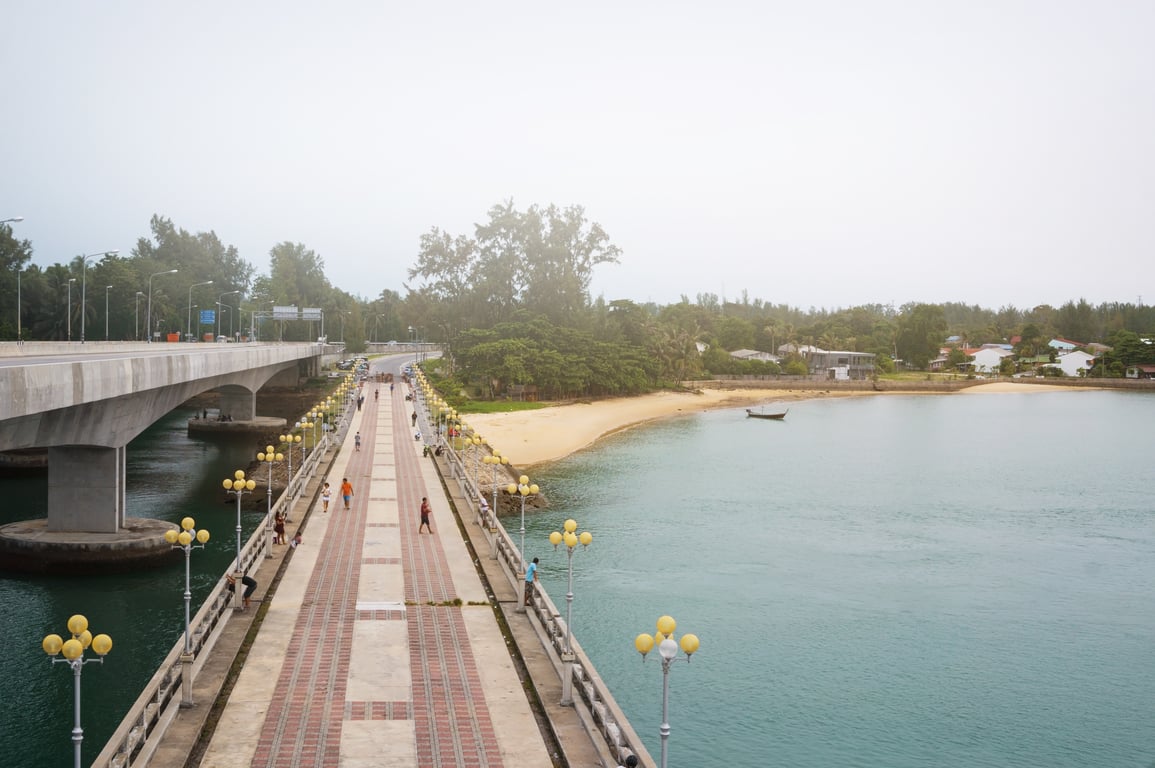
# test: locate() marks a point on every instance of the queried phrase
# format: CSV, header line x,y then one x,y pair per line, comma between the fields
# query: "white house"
x,y
1073,362
987,359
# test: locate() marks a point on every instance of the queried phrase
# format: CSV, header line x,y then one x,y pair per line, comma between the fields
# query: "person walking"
x,y
279,527
357,441
346,491
414,418
325,494
530,579
425,511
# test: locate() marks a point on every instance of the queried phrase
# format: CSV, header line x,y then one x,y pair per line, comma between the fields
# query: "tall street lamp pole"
x,y
238,486
148,314
525,489
106,289
268,456
571,540
184,540
136,318
668,649
84,283
68,314
226,293
496,459
19,329
73,651
188,326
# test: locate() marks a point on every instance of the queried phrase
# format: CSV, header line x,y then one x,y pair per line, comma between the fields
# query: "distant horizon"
x,y
818,156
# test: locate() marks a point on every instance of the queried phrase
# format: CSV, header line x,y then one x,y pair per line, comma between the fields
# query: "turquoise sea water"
x,y
888,582
882,582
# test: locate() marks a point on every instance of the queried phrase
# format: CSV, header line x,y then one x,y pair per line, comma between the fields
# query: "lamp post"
x,y
68,312
84,286
668,649
19,335
226,293
238,486
188,324
74,657
136,317
269,457
148,314
290,439
106,290
571,540
496,459
523,488
184,540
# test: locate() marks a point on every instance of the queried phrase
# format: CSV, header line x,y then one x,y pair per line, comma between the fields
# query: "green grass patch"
x,y
496,406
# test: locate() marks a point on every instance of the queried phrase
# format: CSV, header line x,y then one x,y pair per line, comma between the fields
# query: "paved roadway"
x,y
363,657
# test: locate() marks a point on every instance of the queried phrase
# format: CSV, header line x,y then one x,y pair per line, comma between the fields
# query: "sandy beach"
x,y
548,434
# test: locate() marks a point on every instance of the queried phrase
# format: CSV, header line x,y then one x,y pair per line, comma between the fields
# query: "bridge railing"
x,y
602,714
144,726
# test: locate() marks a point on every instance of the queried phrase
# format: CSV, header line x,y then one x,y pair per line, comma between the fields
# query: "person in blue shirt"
x,y
530,578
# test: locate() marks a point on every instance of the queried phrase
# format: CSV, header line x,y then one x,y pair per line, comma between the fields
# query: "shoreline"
x,y
548,434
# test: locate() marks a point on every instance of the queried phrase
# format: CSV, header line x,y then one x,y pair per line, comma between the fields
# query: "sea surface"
x,y
877,582
884,582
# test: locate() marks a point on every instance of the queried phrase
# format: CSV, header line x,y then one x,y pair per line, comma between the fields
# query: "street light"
x,y
269,457
668,649
136,318
571,540
496,459
73,651
148,314
290,439
106,289
68,314
184,540
525,489
84,284
238,486
226,293
19,335
188,325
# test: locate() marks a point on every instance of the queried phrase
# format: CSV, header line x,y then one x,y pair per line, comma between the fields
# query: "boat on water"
x,y
760,415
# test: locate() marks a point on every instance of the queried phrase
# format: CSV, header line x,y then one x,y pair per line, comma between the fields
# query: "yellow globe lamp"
x,y
570,525
203,536
644,643
77,623
188,523
72,649
667,625
171,536
585,538
555,538
185,538
689,644
102,644
52,644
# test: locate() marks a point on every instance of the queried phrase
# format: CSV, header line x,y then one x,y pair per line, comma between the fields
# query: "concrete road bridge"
x,y
85,402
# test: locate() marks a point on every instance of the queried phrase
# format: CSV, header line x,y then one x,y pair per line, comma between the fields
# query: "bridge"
x,y
84,403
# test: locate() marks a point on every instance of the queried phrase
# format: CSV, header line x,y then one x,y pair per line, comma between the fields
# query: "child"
x,y
296,540
325,493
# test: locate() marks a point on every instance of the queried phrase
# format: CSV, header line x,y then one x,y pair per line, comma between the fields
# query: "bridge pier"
x,y
86,488
238,403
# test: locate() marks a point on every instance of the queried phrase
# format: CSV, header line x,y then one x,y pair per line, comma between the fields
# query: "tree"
x,y
921,331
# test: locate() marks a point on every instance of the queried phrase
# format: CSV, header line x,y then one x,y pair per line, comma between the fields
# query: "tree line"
x,y
510,303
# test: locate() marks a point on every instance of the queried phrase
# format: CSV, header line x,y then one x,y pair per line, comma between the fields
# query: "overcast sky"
x,y
811,153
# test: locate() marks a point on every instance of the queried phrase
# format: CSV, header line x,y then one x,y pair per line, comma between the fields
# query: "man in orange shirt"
x,y
346,491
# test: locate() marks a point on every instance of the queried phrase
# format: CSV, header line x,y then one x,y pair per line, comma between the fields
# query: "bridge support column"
x,y
86,489
239,404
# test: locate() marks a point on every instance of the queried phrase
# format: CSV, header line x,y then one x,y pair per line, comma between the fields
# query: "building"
x,y
1141,371
987,358
1075,363
753,354
833,365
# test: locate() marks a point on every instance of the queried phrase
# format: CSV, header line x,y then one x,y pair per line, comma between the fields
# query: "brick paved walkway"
x,y
363,658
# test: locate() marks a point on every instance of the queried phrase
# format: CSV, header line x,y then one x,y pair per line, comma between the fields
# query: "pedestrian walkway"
x,y
380,647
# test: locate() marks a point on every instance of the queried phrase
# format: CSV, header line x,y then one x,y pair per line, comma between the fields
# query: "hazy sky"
x,y
810,153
